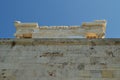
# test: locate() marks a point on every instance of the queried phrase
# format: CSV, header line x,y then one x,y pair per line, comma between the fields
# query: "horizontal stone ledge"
x,y
60,41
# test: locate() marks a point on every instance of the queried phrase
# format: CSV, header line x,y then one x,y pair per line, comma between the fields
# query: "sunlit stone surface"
x,y
60,59
95,29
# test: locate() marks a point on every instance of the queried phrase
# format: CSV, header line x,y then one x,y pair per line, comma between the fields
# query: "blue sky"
x,y
59,12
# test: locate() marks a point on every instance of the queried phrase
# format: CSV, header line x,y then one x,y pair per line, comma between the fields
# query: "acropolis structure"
x,y
60,53
95,29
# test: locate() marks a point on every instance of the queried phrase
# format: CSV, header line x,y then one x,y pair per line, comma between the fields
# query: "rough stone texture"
x,y
60,59
95,29
62,33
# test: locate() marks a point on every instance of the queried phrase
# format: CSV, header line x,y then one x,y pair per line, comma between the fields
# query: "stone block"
x,y
107,74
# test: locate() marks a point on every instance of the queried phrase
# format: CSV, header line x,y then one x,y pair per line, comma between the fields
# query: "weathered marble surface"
x,y
95,29
59,59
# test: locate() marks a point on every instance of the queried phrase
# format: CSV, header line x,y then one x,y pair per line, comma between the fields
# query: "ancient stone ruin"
x,y
64,58
94,29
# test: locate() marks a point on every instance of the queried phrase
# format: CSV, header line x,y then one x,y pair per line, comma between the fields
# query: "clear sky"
x,y
59,12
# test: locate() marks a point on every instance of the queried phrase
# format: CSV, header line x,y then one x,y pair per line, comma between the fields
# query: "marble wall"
x,y
59,59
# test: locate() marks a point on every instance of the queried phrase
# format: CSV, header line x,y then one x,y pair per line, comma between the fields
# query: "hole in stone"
x,y
116,42
13,44
3,69
91,48
3,73
4,76
40,56
51,74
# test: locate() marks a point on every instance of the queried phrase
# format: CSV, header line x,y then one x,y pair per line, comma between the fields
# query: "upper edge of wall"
x,y
60,41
